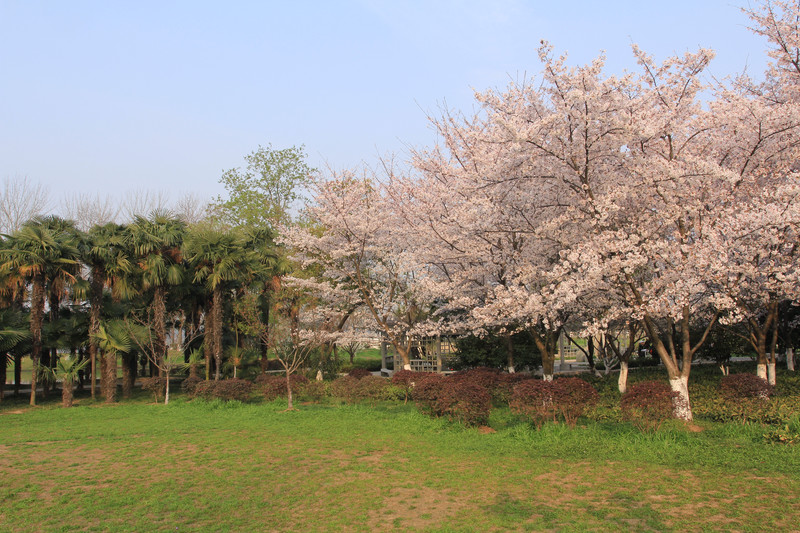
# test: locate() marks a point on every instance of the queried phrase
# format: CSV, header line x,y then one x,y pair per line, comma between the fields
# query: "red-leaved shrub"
x,y
226,389
740,386
156,385
359,373
540,401
648,404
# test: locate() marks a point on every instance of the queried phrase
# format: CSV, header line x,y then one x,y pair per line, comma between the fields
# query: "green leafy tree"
x,y
261,195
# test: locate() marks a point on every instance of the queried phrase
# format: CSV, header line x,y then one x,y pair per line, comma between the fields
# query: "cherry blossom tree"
x,y
351,242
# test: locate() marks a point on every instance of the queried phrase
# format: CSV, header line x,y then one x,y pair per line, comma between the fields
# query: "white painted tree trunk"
x,y
511,370
761,370
547,377
622,382
790,359
406,367
319,374
725,370
771,374
682,407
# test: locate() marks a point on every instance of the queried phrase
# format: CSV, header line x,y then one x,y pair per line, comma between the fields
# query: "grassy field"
x,y
211,466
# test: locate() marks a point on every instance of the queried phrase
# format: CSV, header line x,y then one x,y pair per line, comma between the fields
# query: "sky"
x,y
100,97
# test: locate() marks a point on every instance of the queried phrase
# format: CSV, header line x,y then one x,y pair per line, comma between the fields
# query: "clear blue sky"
x,y
108,96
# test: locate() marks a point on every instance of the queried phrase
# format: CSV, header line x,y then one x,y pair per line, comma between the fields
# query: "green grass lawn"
x,y
200,466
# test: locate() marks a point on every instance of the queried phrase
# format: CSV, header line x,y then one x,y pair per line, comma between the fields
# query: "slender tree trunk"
x,y
790,359
37,318
3,375
208,338
290,405
95,303
160,317
17,373
263,342
622,381
166,390
217,332
110,377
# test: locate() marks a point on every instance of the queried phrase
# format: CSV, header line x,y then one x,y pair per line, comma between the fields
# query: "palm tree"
x,y
217,256
35,251
67,370
266,267
112,338
156,243
103,250
60,276
13,335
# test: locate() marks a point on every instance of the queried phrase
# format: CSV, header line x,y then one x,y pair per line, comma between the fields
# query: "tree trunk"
x,y
790,359
95,303
110,377
761,370
263,344
290,405
3,376
166,388
17,373
622,382
677,369
66,393
129,366
37,318
771,378
510,353
682,407
160,326
217,332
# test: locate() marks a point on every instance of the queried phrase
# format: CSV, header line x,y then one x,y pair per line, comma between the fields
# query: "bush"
x,y
648,404
312,390
227,389
533,399
359,373
488,378
372,388
463,401
504,388
156,385
274,385
741,386
540,401
426,389
572,397
773,411
189,384
344,388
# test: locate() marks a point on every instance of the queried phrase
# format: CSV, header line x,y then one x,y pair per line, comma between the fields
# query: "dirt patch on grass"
x,y
14,412
415,508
